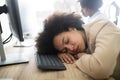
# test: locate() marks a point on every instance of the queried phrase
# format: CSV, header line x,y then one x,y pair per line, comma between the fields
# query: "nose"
x,y
69,47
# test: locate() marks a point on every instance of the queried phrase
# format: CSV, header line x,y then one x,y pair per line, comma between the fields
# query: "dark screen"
x,y
14,18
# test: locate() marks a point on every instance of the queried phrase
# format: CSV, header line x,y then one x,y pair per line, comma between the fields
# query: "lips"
x,y
77,49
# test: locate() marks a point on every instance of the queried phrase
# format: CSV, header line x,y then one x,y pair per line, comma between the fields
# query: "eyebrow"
x,y
62,43
63,40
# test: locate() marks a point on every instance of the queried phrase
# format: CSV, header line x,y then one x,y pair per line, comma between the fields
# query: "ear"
x,y
72,29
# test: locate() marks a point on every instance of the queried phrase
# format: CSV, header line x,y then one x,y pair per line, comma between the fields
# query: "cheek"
x,y
82,12
78,40
85,13
75,41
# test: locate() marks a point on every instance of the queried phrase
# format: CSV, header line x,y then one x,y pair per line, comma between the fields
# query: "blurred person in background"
x,y
90,9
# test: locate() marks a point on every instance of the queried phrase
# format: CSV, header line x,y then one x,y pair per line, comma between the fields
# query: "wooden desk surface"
x,y
29,71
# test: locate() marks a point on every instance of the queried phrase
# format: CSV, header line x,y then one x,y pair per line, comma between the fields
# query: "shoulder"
x,y
98,24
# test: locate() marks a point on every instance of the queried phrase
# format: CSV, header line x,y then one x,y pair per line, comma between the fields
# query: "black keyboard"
x,y
49,62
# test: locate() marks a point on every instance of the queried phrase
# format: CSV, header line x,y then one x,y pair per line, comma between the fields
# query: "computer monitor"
x,y
14,19
15,24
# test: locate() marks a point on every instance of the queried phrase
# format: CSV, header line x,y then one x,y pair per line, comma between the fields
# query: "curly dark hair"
x,y
55,24
91,4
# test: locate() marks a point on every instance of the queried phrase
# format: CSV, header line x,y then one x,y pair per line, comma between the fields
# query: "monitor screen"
x,y
14,19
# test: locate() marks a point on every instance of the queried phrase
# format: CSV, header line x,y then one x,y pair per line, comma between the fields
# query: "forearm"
x,y
92,66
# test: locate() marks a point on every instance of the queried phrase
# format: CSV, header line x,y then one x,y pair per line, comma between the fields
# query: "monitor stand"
x,y
13,59
5,79
10,58
25,43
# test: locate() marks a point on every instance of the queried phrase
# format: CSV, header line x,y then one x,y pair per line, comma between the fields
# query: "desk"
x,y
29,71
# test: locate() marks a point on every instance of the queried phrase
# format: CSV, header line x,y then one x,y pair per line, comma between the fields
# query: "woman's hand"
x,y
66,58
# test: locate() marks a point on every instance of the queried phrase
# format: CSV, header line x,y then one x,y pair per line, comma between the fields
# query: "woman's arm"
x,y
101,63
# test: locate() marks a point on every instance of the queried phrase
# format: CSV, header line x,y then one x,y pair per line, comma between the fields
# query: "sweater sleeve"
x,y
101,63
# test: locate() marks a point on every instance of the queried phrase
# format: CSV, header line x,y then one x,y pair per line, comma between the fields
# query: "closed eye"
x,y
67,41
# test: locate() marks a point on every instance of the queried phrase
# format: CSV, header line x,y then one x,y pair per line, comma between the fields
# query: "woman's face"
x,y
71,41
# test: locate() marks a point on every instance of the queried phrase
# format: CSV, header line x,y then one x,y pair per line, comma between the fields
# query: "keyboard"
x,y
49,62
